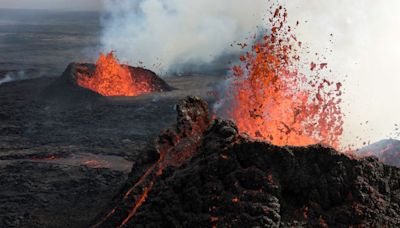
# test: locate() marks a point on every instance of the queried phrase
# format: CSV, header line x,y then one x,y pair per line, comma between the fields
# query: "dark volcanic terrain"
x,y
59,164
104,162
71,158
231,180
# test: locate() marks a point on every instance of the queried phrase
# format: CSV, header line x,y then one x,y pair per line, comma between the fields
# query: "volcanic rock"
x,y
230,180
38,194
66,89
60,167
171,149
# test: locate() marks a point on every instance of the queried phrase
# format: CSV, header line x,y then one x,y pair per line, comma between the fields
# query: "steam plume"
x,y
365,47
174,32
14,76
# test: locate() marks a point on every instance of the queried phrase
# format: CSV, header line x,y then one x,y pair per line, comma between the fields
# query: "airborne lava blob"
x,y
113,79
271,100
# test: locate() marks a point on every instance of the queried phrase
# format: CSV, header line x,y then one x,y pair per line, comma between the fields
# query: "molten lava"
x,y
271,100
113,79
174,146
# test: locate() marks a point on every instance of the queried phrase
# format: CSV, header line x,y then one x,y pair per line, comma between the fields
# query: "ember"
x,y
113,79
271,100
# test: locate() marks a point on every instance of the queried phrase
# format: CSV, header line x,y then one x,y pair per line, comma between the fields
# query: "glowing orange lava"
x,y
113,79
271,100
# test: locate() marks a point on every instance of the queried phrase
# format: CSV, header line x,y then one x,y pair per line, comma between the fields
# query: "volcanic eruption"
x,y
263,151
270,99
204,172
110,78
85,82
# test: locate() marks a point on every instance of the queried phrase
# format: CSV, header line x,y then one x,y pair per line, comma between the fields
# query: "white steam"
x,y
365,48
14,76
174,32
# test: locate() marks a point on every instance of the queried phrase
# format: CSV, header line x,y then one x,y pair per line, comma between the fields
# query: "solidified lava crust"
x,y
171,149
230,180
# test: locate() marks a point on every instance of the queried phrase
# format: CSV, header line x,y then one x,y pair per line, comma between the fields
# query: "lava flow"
x,y
113,79
271,100
174,147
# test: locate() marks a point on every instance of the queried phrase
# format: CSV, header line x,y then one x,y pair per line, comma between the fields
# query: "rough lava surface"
x,y
231,180
61,163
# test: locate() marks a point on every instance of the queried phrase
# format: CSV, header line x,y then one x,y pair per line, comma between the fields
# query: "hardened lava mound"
x,y
87,82
225,179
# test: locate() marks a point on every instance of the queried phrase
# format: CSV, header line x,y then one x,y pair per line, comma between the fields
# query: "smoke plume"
x,y
358,38
14,76
166,34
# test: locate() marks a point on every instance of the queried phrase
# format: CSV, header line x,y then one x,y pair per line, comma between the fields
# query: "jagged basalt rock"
x,y
65,89
171,149
233,181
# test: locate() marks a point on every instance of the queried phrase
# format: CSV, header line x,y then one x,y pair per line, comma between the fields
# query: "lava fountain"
x,y
111,78
270,99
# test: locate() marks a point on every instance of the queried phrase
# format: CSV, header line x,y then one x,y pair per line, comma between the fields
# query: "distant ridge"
x,y
386,150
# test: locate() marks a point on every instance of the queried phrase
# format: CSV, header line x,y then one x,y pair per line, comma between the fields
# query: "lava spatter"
x,y
113,79
270,99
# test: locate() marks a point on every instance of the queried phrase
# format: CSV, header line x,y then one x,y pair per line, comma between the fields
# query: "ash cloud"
x,y
170,35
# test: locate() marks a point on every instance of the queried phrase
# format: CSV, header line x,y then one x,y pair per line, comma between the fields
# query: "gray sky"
x,y
52,4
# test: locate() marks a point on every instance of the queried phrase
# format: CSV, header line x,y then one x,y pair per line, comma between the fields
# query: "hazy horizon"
x,y
56,5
